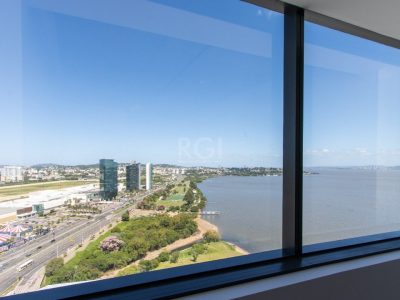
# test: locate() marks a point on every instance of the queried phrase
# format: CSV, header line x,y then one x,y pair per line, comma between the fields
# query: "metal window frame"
x,y
292,208
187,280
323,20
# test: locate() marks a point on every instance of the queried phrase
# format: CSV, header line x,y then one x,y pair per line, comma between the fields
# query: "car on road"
x,y
28,254
53,240
39,247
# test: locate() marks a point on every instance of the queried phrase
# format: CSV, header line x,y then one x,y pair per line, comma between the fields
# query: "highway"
x,y
42,250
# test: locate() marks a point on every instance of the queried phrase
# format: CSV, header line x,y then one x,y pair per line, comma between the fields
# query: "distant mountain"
x,y
167,166
47,165
50,165
92,166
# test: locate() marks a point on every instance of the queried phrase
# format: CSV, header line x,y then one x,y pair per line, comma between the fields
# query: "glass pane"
x,y
136,136
351,136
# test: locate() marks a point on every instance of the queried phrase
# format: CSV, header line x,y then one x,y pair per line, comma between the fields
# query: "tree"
x,y
64,274
189,197
145,265
164,256
194,209
116,230
138,246
111,243
125,216
86,272
196,250
154,263
193,253
193,185
211,236
53,266
174,257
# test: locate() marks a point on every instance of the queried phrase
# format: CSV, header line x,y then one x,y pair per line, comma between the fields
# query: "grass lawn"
x,y
216,250
175,199
169,203
27,188
128,271
181,190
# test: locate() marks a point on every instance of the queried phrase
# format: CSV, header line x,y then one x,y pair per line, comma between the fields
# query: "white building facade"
x,y
11,174
149,176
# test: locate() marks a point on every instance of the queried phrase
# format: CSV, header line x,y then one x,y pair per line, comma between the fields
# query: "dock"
x,y
210,213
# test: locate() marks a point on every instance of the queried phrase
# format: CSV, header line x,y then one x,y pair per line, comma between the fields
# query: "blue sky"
x,y
186,82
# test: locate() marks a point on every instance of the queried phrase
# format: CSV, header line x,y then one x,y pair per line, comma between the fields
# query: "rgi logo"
x,y
201,150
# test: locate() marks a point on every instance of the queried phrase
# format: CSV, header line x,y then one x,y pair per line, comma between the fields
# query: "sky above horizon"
x,y
187,83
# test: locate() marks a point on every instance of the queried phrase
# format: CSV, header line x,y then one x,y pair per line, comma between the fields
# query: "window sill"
x,y
189,280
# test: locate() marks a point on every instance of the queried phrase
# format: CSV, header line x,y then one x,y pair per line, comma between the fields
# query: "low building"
x,y
76,199
38,208
81,198
11,174
25,212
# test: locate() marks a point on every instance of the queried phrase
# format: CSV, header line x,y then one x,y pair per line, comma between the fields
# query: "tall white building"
x,y
11,174
149,176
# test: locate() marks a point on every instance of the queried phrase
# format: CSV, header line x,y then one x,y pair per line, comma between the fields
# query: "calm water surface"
x,y
338,204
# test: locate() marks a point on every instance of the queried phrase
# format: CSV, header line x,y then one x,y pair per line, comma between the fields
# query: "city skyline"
x,y
40,165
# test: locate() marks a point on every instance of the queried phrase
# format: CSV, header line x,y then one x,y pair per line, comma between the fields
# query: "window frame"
x,y
191,279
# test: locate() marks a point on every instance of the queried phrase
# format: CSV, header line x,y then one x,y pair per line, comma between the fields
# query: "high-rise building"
x,y
149,176
133,177
108,179
11,174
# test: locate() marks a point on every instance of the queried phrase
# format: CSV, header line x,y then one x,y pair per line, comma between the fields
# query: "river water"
x,y
337,204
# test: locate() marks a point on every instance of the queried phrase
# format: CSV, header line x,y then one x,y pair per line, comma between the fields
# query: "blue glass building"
x,y
108,179
133,177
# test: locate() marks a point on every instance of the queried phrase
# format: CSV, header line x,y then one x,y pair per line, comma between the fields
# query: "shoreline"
x,y
215,228
237,248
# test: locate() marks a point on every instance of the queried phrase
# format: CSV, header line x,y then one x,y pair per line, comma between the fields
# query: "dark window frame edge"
x,y
172,287
292,187
332,23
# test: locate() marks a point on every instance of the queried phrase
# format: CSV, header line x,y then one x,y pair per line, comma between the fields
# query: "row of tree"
x,y
130,241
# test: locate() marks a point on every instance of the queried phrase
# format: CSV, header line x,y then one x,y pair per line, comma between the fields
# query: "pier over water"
x,y
209,212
